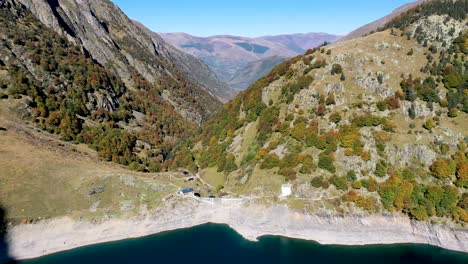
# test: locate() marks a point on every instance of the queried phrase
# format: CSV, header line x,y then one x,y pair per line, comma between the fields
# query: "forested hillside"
x,y
64,91
377,123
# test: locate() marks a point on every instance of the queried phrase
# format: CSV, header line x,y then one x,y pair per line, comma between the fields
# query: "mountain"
x,y
300,43
228,56
373,124
107,35
83,71
373,26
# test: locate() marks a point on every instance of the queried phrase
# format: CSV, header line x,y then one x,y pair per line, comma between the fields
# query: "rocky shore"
x,y
250,220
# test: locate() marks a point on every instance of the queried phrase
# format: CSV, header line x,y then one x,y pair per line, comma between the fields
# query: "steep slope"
x,y
193,67
373,124
254,71
55,83
373,26
228,56
110,37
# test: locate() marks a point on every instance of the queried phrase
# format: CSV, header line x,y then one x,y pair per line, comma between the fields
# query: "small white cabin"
x,y
286,190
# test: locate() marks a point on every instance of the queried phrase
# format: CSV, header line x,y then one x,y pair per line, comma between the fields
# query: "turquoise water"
x,y
212,243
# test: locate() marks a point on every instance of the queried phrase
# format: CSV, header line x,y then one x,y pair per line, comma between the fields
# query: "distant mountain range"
x,y
240,60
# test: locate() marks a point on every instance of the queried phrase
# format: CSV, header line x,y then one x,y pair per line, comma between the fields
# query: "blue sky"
x,y
256,17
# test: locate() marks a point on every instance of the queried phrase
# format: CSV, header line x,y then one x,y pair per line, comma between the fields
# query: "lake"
x,y
214,243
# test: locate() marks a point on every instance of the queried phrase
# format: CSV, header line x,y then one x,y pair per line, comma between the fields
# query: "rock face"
x,y
106,34
404,156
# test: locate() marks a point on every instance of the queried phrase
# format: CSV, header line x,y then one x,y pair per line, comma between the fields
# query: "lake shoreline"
x,y
249,220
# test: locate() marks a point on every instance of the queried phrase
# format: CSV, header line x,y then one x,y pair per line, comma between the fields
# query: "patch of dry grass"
x,y
43,177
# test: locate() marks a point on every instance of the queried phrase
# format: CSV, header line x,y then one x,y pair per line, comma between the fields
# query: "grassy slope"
x,y
387,53
44,177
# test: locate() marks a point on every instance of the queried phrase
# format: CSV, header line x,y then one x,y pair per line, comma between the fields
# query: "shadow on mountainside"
x,y
4,256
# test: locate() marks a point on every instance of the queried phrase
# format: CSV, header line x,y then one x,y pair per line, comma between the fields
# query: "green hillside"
x,y
377,123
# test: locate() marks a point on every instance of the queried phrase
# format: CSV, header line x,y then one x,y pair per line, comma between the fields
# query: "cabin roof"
x,y
187,190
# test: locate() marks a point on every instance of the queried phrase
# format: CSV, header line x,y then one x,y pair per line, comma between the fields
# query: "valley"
x,y
111,131
240,61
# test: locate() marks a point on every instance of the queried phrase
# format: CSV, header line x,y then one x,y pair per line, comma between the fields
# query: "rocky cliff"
x,y
106,34
86,73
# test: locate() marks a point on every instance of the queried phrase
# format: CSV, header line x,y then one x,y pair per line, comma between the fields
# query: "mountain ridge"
x,y
194,67
228,56
371,124
110,37
375,25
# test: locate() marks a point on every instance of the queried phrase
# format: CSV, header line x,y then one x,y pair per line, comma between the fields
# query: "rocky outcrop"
x,y
409,153
439,29
372,85
419,108
107,35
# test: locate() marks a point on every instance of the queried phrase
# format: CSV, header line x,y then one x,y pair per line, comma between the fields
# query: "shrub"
x,y
154,167
356,185
351,175
136,166
307,164
382,105
342,77
330,100
270,161
462,174
419,212
381,169
453,112
351,196
325,184
336,69
298,132
288,173
367,203
395,194
326,162
368,120
341,183
335,117
366,156
380,77
230,164
370,184
317,182
429,124
321,110
443,168
449,201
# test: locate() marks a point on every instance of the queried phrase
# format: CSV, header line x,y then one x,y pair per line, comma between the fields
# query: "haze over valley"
x,y
240,61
